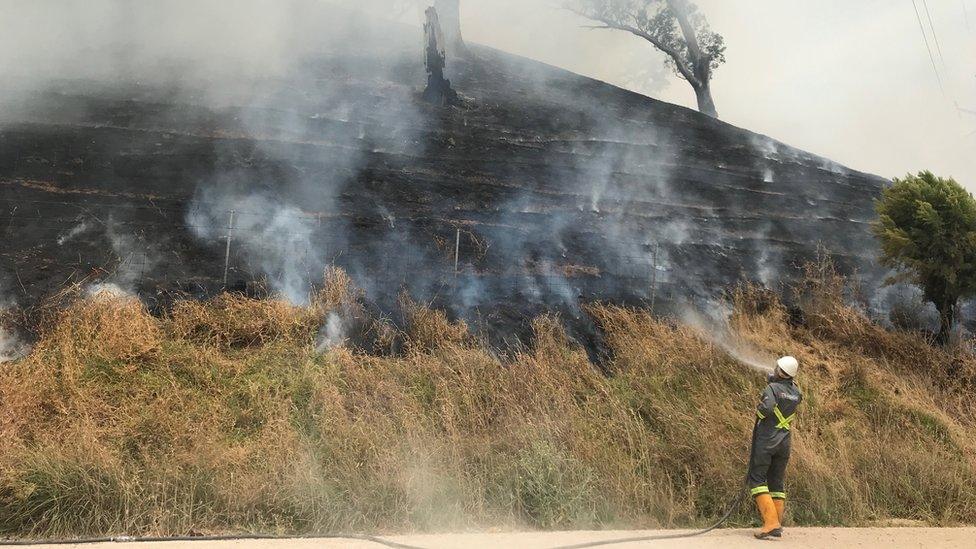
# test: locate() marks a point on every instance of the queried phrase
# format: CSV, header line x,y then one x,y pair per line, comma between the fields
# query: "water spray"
x,y
715,328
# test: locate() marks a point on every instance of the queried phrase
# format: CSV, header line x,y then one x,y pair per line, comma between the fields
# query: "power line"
x,y
938,46
921,27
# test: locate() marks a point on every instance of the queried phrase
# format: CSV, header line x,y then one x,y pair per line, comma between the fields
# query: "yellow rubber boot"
x,y
767,510
780,505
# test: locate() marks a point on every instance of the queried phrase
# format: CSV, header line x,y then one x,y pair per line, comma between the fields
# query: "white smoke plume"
x,y
134,256
287,225
332,333
304,139
161,42
107,290
79,229
11,347
274,237
137,257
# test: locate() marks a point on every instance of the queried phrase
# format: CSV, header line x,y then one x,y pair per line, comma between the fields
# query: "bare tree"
x,y
675,27
449,12
439,91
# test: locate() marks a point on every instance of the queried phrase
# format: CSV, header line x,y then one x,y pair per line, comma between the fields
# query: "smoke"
x,y
823,109
286,224
273,237
240,58
593,215
11,347
903,306
773,152
136,257
81,228
107,290
133,257
317,152
157,42
332,333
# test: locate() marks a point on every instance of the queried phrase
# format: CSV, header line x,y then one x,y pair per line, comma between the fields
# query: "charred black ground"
x,y
559,189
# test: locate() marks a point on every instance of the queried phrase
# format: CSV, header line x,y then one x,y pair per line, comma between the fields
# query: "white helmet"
x,y
788,365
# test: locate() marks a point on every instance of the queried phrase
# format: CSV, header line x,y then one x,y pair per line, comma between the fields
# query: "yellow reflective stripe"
x,y
778,495
784,422
759,490
760,414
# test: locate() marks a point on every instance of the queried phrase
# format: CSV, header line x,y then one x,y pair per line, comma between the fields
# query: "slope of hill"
x,y
544,190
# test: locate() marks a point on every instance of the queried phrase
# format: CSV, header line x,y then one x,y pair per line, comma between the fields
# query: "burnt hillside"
x,y
550,188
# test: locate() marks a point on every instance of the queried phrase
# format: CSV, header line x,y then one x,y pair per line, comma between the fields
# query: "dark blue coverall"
x,y
771,438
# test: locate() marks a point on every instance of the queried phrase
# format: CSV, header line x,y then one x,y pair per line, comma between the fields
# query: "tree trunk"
x,y
449,12
700,66
706,105
947,316
438,91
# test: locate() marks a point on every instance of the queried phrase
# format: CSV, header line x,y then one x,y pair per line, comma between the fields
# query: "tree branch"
x,y
680,11
679,63
700,65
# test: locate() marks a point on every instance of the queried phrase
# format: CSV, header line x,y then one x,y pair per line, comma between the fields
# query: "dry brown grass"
x,y
338,290
103,326
429,329
232,321
222,417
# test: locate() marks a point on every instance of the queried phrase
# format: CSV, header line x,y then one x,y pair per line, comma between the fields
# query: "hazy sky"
x,y
847,79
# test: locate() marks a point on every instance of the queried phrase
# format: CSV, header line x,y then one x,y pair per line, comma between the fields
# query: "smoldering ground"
x,y
306,146
12,346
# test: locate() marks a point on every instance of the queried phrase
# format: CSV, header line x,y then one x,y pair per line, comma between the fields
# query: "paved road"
x,y
801,538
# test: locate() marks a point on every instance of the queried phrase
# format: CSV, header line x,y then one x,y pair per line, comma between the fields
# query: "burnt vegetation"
x,y
543,191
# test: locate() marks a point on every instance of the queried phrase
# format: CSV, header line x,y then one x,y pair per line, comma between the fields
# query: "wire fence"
x,y
199,247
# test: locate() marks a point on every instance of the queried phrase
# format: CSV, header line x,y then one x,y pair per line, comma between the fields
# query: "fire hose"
x,y
132,539
128,539
232,537
733,505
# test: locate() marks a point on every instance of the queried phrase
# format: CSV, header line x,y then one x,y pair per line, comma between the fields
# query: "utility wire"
x,y
928,14
921,27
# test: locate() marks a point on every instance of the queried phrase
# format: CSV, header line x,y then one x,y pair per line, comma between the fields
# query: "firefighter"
x,y
771,445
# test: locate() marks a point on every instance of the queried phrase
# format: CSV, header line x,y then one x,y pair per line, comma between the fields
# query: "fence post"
x,y
230,234
457,250
308,271
653,276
